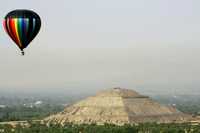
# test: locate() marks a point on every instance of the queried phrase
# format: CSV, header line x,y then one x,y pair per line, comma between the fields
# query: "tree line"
x,y
106,128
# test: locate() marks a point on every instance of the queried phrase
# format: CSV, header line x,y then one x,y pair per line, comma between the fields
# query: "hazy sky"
x,y
97,44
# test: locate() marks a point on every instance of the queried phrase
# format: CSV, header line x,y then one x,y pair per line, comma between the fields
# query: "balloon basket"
x,y
22,53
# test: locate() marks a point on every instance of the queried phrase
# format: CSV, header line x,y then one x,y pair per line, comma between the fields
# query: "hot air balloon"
x,y
22,26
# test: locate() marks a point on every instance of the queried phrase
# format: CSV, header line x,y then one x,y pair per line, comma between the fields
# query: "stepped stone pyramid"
x,y
117,106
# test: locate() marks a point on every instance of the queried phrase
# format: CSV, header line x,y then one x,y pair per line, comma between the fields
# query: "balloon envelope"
x,y
22,26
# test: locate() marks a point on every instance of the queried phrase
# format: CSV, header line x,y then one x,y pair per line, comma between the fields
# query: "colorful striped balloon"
x,y
22,26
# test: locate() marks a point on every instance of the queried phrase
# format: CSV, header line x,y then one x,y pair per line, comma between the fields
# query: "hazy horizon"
x,y
97,44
